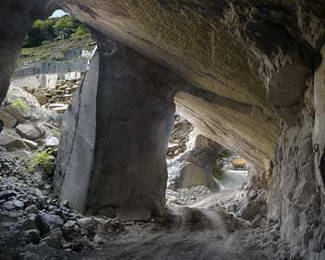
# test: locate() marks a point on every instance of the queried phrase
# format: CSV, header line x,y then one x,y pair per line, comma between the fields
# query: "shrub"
x,y
44,24
19,103
66,22
26,51
81,30
49,29
44,161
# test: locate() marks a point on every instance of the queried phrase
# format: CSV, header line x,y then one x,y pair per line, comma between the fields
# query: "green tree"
x,y
44,24
49,29
66,22
81,30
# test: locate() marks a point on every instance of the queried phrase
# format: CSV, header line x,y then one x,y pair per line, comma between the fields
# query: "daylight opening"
x,y
53,61
199,167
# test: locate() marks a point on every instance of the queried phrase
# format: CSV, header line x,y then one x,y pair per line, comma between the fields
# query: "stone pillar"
x,y
120,170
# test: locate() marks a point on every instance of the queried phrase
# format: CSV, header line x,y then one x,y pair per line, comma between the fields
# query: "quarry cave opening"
x,y
213,68
52,67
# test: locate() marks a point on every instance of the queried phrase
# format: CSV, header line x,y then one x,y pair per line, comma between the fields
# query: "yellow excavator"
x,y
238,164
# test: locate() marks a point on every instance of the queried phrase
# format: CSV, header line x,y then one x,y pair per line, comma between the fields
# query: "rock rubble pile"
x,y
26,124
33,222
58,98
179,137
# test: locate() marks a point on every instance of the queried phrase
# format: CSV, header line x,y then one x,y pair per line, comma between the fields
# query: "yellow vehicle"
x,y
238,163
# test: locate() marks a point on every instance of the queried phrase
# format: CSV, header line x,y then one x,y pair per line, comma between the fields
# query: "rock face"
x,y
191,175
179,137
196,166
252,87
46,75
298,180
13,34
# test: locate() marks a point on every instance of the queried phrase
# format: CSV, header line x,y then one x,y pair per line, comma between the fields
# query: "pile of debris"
x,y
187,197
26,125
35,225
179,137
58,98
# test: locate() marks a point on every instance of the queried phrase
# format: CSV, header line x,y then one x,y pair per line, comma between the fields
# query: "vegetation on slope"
x,y
50,38
54,29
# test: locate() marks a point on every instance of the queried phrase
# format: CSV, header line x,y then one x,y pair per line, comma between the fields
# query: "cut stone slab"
x,y
59,108
8,120
28,131
30,143
133,214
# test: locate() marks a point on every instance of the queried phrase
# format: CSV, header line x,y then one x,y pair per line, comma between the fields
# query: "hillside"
x,y
49,39
54,50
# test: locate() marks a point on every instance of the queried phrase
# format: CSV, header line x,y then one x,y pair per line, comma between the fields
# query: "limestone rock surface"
x,y
191,175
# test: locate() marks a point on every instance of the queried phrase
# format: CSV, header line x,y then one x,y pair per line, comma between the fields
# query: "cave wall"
x,y
319,126
296,197
16,18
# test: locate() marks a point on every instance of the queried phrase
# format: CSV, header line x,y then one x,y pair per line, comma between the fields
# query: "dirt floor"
x,y
34,225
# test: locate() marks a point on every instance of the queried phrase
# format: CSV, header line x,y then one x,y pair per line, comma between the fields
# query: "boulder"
x,y
29,131
51,141
20,113
6,194
8,120
47,222
22,106
32,236
196,166
32,209
71,230
28,224
191,175
10,140
54,239
13,204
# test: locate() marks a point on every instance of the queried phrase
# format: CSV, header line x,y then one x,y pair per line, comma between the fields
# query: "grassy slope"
x,y
53,51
